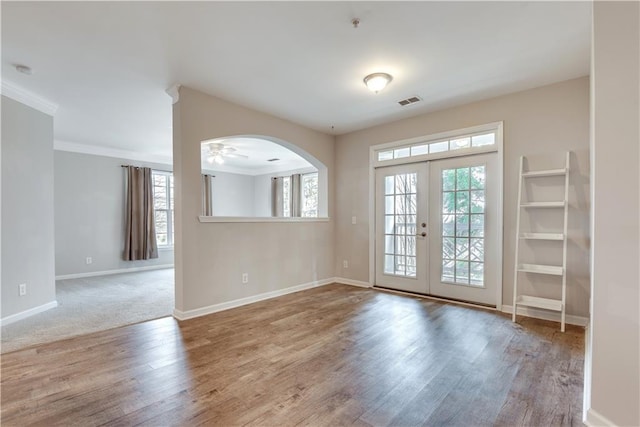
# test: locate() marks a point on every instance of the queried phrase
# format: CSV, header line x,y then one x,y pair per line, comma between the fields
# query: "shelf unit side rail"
x,y
564,242
515,267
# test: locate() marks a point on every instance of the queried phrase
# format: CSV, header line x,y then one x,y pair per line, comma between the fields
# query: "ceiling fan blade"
x,y
234,155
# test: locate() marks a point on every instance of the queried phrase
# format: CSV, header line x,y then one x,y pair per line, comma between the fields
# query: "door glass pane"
x,y
477,201
462,225
448,247
388,184
462,202
448,202
400,224
462,179
449,180
448,225
389,224
411,266
477,273
476,250
462,272
388,264
463,222
477,177
400,269
411,225
448,273
388,205
462,249
388,244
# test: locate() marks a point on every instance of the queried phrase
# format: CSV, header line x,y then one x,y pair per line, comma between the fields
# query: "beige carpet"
x,y
95,304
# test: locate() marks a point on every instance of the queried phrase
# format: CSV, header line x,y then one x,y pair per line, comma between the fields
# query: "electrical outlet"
x,y
22,289
345,264
353,220
245,277
89,260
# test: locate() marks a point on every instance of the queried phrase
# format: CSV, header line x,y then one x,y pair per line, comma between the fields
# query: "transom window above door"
x,y
418,150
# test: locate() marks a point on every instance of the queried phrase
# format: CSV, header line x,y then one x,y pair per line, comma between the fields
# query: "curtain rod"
x,y
157,170
138,167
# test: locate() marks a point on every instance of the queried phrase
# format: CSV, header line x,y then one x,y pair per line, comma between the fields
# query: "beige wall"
x,y
211,257
542,122
615,321
89,201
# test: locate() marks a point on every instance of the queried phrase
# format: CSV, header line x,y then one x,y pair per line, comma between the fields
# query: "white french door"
x,y
401,227
454,202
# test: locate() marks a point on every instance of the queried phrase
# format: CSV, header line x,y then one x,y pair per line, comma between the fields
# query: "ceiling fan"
x,y
217,152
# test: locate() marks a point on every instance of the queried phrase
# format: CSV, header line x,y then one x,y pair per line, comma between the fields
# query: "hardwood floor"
x,y
334,355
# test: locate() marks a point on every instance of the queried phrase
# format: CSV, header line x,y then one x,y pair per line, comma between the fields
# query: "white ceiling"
x,y
258,152
107,64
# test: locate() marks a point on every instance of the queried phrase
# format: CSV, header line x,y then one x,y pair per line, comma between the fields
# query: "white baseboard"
x,y
594,419
118,271
352,282
203,311
546,315
28,313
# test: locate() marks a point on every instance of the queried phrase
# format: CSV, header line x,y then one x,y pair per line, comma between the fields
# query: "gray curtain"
x,y
276,196
296,195
140,233
207,199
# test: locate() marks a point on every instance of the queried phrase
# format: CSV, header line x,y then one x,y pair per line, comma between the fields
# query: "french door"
x,y
437,228
401,227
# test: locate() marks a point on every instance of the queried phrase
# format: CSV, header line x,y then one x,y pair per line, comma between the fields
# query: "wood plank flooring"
x,y
334,355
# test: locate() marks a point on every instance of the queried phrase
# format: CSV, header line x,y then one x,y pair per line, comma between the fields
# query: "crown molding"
x,y
95,150
29,99
174,92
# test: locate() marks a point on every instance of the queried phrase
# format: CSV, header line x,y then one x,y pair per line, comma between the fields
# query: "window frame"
x,y
495,127
302,197
170,210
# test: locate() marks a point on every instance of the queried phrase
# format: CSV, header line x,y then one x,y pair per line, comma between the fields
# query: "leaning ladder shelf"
x,y
558,305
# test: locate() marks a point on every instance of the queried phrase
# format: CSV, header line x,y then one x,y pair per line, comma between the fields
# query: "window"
x,y
307,195
400,209
163,207
438,146
463,200
286,196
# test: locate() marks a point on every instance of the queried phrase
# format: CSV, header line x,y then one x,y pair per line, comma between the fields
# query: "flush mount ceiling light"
x,y
377,81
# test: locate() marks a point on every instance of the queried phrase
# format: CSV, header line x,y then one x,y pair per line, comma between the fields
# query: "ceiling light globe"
x,y
377,81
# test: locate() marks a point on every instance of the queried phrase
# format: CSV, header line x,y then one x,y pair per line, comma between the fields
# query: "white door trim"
x,y
373,164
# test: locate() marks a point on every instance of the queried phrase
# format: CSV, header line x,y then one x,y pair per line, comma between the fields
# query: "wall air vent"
x,y
272,160
409,101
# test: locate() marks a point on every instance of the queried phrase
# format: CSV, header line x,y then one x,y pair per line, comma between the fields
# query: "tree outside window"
x,y
163,207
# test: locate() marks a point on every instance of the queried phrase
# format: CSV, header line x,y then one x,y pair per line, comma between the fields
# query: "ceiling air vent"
x,y
409,101
272,160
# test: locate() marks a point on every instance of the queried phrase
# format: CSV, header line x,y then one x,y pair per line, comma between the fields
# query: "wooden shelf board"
x,y
543,204
549,172
537,302
541,269
542,236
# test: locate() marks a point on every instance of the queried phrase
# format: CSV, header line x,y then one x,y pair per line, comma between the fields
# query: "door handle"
x,y
423,234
